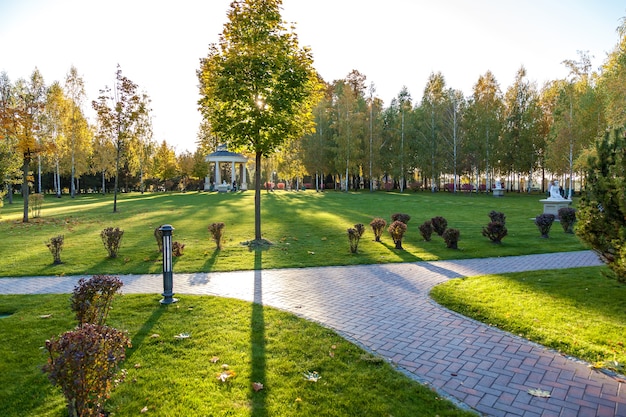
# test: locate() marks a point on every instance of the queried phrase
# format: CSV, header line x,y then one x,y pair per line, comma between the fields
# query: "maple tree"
x,y
257,85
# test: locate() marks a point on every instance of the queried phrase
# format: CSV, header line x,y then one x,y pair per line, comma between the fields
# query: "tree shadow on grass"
x,y
257,339
145,329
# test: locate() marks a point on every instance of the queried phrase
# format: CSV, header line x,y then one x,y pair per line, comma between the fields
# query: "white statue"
x,y
555,192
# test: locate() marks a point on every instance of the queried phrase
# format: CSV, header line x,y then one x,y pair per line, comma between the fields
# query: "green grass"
x,y
307,229
579,312
174,377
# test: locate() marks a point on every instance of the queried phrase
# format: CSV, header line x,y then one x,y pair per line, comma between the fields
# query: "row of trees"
x,y
44,132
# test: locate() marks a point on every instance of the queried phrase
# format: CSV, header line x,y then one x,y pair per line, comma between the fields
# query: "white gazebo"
x,y
223,156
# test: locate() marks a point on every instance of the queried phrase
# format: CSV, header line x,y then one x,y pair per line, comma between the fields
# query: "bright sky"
x,y
393,42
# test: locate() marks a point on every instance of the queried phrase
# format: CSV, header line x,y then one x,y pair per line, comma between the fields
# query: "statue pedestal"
x,y
497,192
552,205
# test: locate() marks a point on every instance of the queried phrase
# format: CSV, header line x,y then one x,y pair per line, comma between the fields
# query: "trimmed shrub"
x,y
544,223
497,216
354,235
35,202
158,235
451,237
397,230
439,225
112,239
426,230
567,216
92,298
401,217
84,363
217,232
177,248
378,226
55,245
495,231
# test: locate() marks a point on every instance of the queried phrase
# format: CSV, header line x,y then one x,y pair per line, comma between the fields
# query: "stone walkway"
x,y
386,309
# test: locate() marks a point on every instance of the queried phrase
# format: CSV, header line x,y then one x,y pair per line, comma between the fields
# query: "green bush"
x,y
92,298
601,212
567,216
451,237
55,245
397,230
439,225
112,239
378,226
217,232
426,230
84,363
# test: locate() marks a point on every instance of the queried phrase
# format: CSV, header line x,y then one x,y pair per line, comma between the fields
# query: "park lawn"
x,y
306,229
579,311
179,377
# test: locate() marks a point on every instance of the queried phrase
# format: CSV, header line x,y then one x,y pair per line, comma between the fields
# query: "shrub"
x,y
601,211
451,237
217,232
497,216
439,225
401,217
92,298
426,230
354,235
177,248
567,216
112,238
397,230
495,231
55,244
84,363
378,226
544,223
35,202
158,235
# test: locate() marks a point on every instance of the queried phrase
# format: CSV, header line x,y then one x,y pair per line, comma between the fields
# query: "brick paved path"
x,y
386,309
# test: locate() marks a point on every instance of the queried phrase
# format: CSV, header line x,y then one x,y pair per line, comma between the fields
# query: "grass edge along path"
x,y
577,312
179,376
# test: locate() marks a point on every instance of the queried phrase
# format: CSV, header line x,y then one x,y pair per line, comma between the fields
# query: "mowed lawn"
x,y
306,229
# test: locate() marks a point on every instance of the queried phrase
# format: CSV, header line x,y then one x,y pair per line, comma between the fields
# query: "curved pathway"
x,y
386,309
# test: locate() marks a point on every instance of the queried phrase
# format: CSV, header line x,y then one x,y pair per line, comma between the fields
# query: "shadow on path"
x,y
257,339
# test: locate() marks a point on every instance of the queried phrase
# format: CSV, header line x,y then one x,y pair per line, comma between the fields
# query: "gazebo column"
x,y
233,173
244,181
218,176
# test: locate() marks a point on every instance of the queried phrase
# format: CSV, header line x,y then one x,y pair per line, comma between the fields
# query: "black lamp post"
x,y
168,283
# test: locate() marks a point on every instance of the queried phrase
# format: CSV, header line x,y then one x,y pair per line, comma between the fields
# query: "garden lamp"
x,y
168,284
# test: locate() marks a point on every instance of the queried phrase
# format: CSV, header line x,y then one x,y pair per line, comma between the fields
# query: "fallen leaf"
x,y
312,376
224,366
45,316
539,393
144,410
137,365
214,359
224,376
182,336
154,336
333,347
331,354
257,386
311,252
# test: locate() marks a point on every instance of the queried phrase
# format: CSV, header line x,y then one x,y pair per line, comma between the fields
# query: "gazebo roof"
x,y
224,155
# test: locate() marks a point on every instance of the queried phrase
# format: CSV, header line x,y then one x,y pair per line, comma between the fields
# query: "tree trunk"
x,y
25,190
257,198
